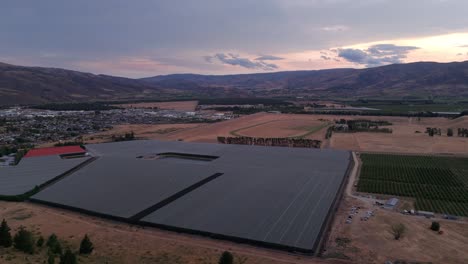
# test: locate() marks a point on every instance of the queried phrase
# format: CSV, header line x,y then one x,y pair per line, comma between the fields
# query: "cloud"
x,y
236,60
328,55
269,57
376,55
208,59
463,46
459,54
334,28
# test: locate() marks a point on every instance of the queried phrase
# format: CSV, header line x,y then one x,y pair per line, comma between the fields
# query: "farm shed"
x,y
425,213
54,151
391,203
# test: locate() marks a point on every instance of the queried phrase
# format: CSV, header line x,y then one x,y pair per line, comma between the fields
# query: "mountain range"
x,y
36,85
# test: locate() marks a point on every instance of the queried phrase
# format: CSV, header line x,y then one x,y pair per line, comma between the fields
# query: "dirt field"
x,y
404,138
177,105
261,124
294,127
141,131
121,243
372,242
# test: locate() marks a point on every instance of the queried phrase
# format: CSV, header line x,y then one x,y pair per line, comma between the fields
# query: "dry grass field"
x,y
258,125
408,133
404,138
291,127
176,105
160,131
372,242
119,243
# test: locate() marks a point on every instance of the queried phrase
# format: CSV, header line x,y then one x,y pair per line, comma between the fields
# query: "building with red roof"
x,y
53,151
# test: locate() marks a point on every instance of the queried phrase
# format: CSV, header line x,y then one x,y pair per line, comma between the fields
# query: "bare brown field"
x,y
277,125
372,242
294,127
404,138
160,131
119,243
176,105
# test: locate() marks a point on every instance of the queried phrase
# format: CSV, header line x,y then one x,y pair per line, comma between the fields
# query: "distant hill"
x,y
412,80
34,85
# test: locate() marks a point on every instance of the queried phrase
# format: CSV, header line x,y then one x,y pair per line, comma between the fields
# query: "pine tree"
x,y
5,235
24,241
68,258
226,258
54,244
449,132
86,246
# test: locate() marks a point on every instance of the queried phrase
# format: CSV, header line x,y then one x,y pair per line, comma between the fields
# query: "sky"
x,y
145,38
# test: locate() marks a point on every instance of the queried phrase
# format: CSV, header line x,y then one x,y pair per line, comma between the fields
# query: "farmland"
x,y
438,184
293,127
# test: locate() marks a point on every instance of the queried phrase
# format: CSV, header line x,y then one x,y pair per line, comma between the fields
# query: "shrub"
x,y
5,235
435,226
40,242
398,230
50,258
86,246
226,258
24,241
68,258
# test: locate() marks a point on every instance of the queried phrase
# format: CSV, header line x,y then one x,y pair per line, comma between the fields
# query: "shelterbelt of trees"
x,y
277,142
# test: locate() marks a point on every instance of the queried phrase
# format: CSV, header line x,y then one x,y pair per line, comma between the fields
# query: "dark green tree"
x,y
431,132
50,258
40,242
24,241
226,258
51,240
86,246
435,226
68,258
449,132
5,235
54,244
